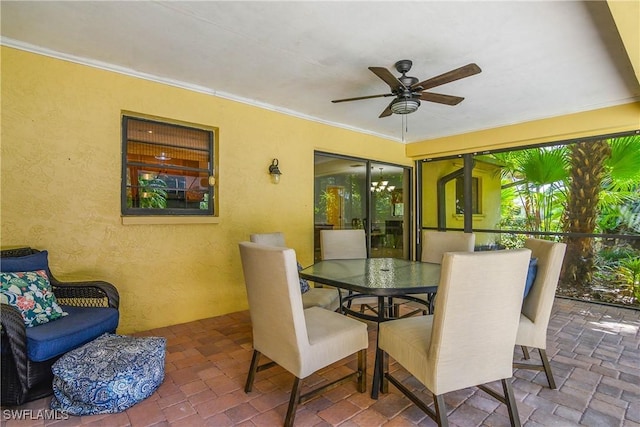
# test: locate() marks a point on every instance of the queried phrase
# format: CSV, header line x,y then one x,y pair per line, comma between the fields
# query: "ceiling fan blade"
x,y
450,76
388,78
386,112
362,97
440,98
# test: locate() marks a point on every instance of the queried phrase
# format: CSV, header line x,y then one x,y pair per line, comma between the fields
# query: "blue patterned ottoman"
x,y
108,375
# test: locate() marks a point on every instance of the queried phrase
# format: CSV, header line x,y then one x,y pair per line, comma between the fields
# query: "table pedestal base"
x,y
385,311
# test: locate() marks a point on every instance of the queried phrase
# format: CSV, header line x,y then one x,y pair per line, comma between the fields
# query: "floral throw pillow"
x,y
30,292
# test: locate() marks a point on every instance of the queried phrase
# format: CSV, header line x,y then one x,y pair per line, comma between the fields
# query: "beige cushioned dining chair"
x,y
347,244
269,239
343,244
328,298
434,245
536,308
302,341
469,339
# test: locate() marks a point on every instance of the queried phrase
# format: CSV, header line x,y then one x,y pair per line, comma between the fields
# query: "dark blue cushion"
x,y
304,285
82,325
531,275
33,262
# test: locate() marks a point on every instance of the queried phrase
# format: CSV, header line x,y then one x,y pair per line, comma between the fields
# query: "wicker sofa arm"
x,y
16,252
14,334
93,293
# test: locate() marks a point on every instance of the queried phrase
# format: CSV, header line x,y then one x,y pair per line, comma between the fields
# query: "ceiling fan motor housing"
x,y
403,66
408,81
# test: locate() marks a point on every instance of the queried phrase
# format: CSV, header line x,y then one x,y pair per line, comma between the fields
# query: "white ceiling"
x,y
539,59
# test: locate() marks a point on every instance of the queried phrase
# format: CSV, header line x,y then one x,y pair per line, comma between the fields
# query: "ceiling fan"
x,y
409,92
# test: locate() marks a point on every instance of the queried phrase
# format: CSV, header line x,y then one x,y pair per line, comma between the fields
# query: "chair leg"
x,y
525,352
441,410
293,403
253,368
431,299
547,368
339,309
362,370
384,385
296,398
510,401
439,415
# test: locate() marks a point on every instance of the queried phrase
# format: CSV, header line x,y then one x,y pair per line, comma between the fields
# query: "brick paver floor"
x,y
593,349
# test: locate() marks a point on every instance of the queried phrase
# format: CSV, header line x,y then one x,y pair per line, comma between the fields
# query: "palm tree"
x,y
605,193
587,173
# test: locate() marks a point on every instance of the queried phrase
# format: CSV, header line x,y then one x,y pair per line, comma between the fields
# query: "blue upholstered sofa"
x,y
29,352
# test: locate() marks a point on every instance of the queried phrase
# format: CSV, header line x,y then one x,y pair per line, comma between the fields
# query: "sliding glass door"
x,y
352,193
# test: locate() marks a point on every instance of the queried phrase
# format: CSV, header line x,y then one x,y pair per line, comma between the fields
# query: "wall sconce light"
x,y
274,171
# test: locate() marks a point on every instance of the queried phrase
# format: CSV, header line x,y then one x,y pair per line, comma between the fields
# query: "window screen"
x,y
167,168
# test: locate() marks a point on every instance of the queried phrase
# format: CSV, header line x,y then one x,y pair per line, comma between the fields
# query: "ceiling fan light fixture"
x,y
404,105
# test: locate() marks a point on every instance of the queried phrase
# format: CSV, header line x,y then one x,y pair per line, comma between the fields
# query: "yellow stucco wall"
x,y
60,186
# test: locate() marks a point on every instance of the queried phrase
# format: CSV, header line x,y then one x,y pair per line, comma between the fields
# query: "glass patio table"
x,y
385,278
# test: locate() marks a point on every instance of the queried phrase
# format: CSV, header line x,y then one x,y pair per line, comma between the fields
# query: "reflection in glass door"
x,y
388,187
334,209
359,194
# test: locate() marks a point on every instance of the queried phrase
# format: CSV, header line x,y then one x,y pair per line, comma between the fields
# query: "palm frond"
x,y
624,163
544,166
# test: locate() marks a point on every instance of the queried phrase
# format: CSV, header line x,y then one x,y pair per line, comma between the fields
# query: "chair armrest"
x,y
93,293
14,334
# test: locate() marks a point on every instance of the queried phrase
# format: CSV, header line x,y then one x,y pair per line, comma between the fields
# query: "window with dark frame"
x,y
475,196
167,168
